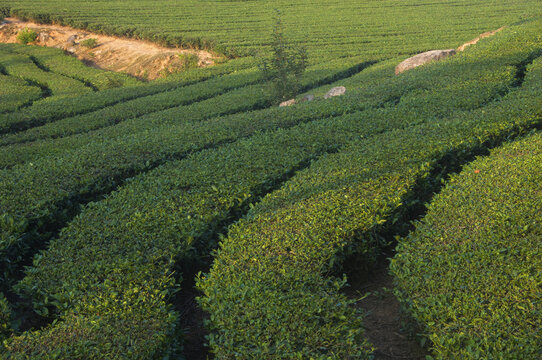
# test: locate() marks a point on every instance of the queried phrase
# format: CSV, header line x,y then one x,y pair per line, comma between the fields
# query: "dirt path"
x,y
385,324
192,323
135,57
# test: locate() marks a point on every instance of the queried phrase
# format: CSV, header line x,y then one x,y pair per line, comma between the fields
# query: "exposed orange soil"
x,y
474,41
135,57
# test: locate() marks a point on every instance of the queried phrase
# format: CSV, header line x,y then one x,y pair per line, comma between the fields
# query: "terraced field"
x,y
118,197
373,28
482,278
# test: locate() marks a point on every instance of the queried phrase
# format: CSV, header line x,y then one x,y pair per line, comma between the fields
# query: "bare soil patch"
x,y
387,328
480,37
135,57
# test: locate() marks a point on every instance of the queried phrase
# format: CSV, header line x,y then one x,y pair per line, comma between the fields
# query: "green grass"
x,y
470,272
373,28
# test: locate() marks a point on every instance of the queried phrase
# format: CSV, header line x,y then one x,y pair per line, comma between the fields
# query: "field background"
x,y
122,200
373,28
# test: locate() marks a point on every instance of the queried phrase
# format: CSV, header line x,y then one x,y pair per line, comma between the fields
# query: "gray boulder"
x,y
423,58
71,40
43,37
336,91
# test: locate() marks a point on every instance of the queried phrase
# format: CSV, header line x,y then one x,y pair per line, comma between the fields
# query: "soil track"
x,y
135,57
388,328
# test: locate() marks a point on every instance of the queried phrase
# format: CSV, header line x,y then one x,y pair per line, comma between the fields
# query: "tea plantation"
x,y
482,276
118,196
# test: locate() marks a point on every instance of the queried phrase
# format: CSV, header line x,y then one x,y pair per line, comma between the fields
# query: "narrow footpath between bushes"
x,y
387,327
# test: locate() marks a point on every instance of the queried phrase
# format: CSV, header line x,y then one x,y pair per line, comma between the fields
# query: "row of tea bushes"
x,y
290,243
15,93
480,81
234,101
41,194
52,109
372,29
470,273
322,135
55,85
173,213
133,238
202,192
315,75
138,107
56,61
242,100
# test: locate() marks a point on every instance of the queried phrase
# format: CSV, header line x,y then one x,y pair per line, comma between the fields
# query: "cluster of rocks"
x,y
336,91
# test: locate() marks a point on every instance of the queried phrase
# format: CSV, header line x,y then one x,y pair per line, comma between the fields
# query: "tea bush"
x,y
55,109
470,272
297,237
15,93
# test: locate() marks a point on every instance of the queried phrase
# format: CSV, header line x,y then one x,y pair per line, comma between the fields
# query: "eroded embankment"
x,y
135,57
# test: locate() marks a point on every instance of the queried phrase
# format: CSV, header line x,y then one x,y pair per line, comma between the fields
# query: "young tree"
x,y
285,66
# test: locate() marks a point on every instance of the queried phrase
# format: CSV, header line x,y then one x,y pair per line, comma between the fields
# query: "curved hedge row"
x,y
327,29
15,93
21,66
291,241
202,193
55,109
134,237
40,195
321,73
56,61
470,273
138,107
98,165
234,101
442,94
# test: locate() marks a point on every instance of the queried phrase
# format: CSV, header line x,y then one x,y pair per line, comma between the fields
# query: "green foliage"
x,y
90,43
26,36
57,62
52,84
255,164
240,98
4,12
108,276
56,109
236,28
134,146
286,65
6,318
474,264
292,240
15,93
181,98
189,61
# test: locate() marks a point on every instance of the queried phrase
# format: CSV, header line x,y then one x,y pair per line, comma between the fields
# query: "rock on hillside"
x,y
336,91
423,58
